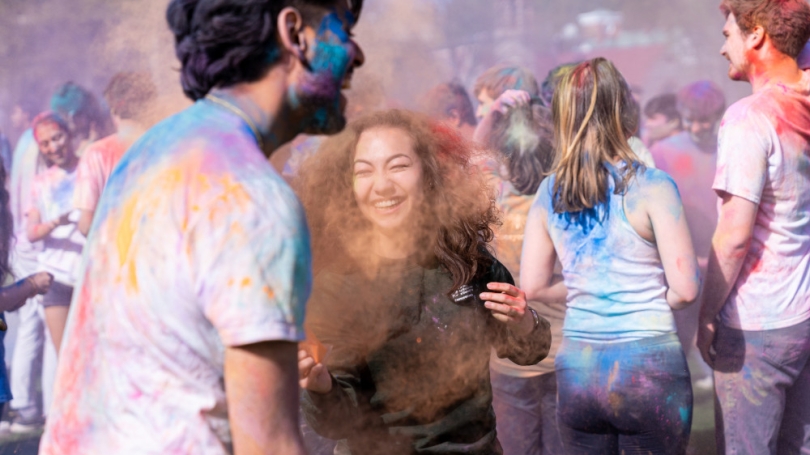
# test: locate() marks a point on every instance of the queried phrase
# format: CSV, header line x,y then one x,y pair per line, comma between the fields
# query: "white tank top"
x,y
615,279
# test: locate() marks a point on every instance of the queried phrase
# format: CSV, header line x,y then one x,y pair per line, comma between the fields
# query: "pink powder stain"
x,y
683,165
66,427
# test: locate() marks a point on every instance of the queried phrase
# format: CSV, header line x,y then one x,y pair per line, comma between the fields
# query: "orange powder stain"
x,y
232,196
614,375
269,292
246,282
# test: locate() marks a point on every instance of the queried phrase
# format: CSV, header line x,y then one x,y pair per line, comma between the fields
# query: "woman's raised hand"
x,y
508,305
510,99
313,376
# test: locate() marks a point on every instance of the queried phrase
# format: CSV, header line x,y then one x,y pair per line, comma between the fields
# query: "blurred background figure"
x,y
52,220
493,82
661,118
690,158
12,295
86,118
131,98
524,397
450,103
33,360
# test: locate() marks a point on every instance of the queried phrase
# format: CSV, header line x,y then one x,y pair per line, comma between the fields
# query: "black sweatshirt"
x,y
410,364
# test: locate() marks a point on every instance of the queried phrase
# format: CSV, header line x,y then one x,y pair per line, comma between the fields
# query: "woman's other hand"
x,y
508,305
313,376
41,281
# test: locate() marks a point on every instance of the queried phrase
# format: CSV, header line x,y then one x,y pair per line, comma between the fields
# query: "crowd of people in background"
x,y
510,272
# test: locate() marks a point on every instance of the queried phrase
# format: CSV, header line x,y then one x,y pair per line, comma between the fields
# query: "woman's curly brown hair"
x,y
459,208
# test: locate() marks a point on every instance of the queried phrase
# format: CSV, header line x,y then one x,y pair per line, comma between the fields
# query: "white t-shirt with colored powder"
x,y
62,249
95,167
198,245
764,157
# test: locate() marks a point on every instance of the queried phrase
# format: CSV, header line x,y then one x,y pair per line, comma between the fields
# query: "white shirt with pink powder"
x,y
764,157
95,167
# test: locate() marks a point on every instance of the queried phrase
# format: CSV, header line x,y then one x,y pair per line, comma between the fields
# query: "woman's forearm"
x,y
39,231
554,293
676,301
14,296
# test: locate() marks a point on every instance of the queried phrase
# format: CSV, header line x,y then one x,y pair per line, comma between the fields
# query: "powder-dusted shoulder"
x,y
754,108
101,146
654,177
543,197
203,160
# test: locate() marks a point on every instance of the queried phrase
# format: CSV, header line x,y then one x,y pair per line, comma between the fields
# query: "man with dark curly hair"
x,y
190,302
755,308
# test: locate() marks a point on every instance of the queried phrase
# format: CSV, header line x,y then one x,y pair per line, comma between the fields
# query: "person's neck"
x,y
393,246
70,165
771,68
129,130
265,103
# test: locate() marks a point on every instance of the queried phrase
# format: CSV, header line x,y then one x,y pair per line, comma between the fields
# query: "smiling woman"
x,y
409,301
399,158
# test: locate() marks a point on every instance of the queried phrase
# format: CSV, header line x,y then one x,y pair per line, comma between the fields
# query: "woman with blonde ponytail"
x,y
618,229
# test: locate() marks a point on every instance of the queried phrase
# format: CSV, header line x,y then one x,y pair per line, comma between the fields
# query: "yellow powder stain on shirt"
x,y
123,241
246,282
232,196
129,218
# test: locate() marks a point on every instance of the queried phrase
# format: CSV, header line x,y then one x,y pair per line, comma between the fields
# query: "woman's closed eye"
x,y
362,172
400,165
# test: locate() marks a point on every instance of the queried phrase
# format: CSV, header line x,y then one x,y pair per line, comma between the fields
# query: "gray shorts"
x,y
58,295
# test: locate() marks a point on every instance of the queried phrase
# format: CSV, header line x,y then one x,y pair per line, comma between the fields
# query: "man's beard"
x,y
321,104
322,116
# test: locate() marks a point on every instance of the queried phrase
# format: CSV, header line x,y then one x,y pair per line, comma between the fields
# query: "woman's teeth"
x,y
387,204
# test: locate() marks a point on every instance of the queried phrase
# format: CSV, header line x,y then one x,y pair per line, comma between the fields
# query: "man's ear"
x,y
756,39
290,27
454,118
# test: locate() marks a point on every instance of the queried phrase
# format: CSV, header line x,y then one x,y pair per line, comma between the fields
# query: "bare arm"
x,y
36,229
14,296
732,238
85,221
537,261
665,210
261,384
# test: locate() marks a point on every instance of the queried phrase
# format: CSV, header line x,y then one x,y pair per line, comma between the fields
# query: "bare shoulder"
x,y
652,191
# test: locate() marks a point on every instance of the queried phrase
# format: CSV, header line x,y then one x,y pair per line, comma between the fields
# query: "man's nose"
x,y
359,55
